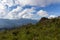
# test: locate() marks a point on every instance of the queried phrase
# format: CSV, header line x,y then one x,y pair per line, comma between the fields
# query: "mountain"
x,y
45,29
6,23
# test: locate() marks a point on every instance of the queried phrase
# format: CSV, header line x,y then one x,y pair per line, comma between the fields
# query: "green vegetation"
x,y
45,29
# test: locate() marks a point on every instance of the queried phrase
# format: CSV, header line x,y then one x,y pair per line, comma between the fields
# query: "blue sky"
x,y
30,9
52,9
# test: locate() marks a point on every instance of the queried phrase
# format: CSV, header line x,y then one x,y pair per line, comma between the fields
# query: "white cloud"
x,y
41,3
2,7
13,14
17,13
42,13
52,16
7,2
29,16
27,13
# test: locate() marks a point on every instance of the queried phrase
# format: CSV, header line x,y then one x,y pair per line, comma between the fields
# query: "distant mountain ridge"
x,y
11,23
6,23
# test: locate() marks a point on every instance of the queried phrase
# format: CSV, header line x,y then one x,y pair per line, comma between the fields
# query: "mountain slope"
x,y
45,29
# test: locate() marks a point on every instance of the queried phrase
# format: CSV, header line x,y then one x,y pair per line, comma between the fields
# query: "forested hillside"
x,y
45,29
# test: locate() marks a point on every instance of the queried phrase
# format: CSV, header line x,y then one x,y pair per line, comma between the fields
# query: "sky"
x,y
29,9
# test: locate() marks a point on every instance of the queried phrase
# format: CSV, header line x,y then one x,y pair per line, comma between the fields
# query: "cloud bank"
x,y
13,9
41,3
26,13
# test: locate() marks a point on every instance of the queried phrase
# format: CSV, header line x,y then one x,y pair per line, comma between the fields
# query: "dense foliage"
x,y
45,29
